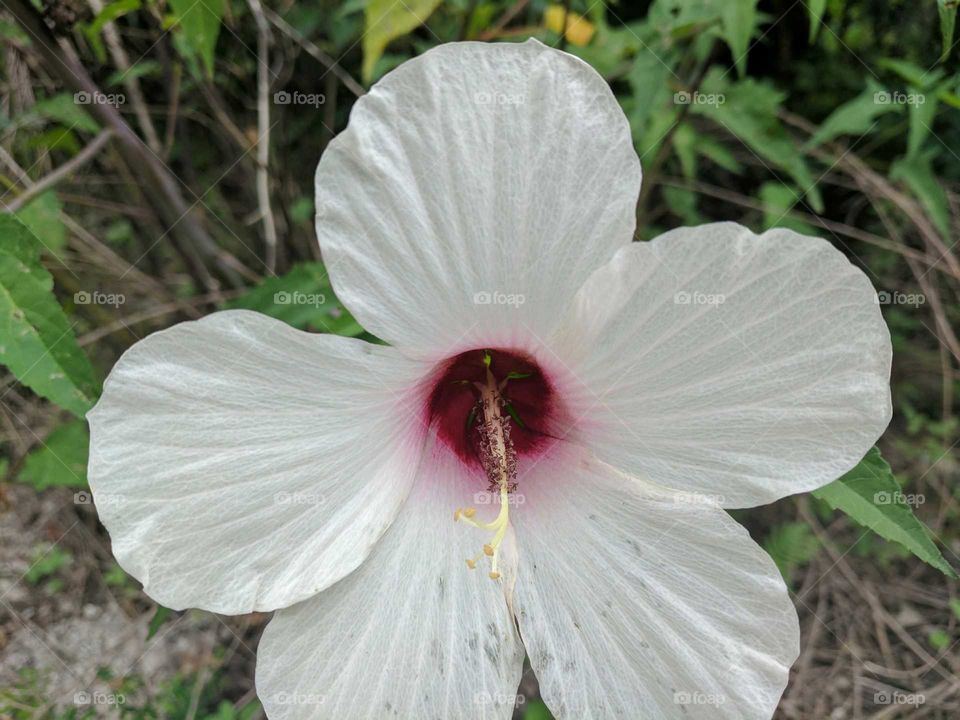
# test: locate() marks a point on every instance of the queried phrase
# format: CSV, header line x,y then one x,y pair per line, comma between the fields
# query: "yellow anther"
x,y
469,512
494,576
488,550
472,564
456,515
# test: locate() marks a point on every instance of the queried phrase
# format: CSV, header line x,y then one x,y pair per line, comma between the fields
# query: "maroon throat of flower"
x,y
491,407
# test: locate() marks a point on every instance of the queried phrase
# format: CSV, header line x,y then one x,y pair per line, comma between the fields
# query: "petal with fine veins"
x,y
242,465
411,634
474,190
719,362
636,602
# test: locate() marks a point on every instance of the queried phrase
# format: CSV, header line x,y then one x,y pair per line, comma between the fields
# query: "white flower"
x,y
616,395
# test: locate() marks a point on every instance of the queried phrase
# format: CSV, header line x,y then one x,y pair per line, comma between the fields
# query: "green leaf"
x,y
47,561
923,109
385,21
718,153
36,339
778,200
42,217
61,461
302,298
159,617
816,9
109,13
200,20
939,639
872,497
12,31
649,78
684,204
537,711
911,72
739,20
857,116
917,174
791,546
62,108
948,24
685,141
748,109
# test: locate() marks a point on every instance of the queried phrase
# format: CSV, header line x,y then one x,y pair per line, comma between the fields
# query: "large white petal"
x,y
242,465
634,602
474,190
411,634
717,361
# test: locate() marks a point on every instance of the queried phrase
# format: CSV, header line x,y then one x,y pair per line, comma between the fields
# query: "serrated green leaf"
x,y
36,339
302,298
816,9
42,217
385,21
872,497
200,21
61,461
739,20
856,116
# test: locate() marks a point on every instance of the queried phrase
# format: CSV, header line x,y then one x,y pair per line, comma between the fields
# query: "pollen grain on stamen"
x,y
499,460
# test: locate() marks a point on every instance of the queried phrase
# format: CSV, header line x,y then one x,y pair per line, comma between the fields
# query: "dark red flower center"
x,y
529,404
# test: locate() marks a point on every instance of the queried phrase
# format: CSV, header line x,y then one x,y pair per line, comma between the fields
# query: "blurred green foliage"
x,y
831,117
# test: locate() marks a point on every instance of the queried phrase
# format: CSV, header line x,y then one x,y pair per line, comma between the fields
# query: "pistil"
x,y
499,460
